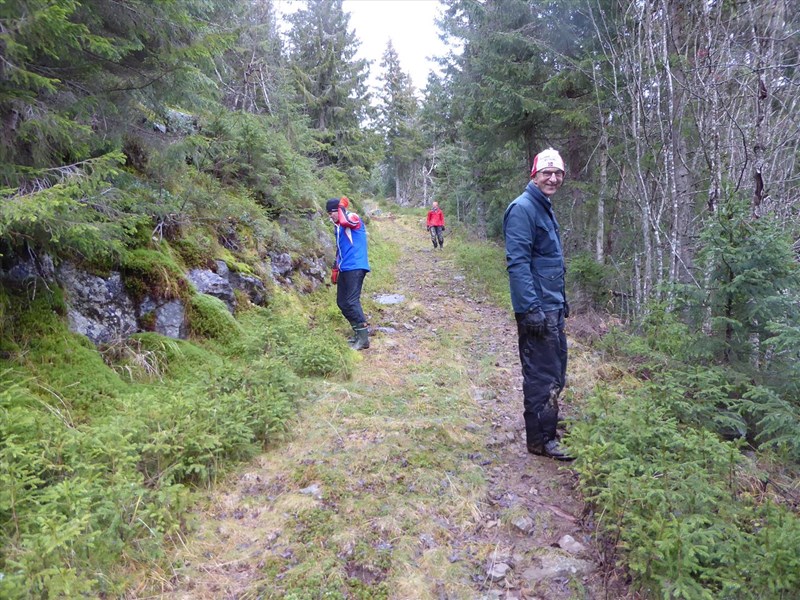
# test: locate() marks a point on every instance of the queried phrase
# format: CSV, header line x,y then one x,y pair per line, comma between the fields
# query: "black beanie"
x,y
332,204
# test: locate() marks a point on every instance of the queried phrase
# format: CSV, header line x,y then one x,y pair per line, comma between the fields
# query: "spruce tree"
x,y
330,83
514,86
397,112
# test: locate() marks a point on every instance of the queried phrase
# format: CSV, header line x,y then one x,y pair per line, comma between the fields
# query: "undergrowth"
x,y
100,452
689,467
690,464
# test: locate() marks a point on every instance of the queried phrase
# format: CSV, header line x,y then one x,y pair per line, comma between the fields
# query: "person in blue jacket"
x,y
351,267
536,270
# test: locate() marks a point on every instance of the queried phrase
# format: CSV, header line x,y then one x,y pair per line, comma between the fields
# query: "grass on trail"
x,y
377,480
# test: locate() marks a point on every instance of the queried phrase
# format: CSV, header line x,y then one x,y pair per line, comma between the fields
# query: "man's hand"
x,y
535,323
443,227
566,309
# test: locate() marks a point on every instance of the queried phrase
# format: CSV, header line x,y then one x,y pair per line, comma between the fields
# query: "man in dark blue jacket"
x,y
536,271
352,266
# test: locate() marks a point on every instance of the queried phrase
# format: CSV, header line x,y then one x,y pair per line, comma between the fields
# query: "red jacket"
x,y
435,218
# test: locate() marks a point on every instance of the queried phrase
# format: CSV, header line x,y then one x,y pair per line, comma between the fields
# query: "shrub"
x,y
588,281
669,497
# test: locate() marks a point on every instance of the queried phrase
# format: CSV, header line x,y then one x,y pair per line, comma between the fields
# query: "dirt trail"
x,y
491,522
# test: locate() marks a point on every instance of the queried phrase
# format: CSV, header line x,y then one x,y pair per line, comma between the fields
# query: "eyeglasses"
x,y
548,174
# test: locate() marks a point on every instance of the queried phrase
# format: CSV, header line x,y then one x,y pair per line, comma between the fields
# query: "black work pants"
x,y
437,237
348,295
544,372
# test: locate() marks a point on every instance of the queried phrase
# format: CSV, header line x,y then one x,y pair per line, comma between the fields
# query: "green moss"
x,y
57,364
153,273
197,249
41,316
240,267
209,318
147,321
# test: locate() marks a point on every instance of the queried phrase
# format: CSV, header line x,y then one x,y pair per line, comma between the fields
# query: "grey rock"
x,y
524,524
97,307
181,122
427,541
222,269
552,566
208,282
498,571
250,285
571,545
387,299
170,316
281,264
31,268
312,490
314,267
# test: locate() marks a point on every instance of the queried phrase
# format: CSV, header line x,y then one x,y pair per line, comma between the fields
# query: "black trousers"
x,y
437,236
348,295
544,373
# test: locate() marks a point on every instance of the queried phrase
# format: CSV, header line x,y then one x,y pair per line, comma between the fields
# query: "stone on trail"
x,y
498,571
389,298
552,566
524,524
571,545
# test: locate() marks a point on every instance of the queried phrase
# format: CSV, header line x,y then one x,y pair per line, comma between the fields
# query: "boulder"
x,y
209,282
170,317
97,307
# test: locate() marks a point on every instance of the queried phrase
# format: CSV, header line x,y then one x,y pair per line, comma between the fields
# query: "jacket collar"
x,y
537,195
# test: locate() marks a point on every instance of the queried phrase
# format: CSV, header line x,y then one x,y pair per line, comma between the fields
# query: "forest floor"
x,y
410,480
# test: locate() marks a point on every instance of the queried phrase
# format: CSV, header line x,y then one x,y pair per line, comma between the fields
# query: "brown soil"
x,y
225,559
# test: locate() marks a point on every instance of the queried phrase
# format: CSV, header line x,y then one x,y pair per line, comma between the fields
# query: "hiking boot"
x,y
552,449
362,337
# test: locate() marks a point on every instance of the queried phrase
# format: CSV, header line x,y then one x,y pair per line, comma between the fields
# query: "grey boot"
x,y
551,449
362,337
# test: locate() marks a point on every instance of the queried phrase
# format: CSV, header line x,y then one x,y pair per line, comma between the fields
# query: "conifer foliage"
x,y
330,84
397,119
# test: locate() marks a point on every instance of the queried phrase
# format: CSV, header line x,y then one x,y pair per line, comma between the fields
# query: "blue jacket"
x,y
534,258
351,243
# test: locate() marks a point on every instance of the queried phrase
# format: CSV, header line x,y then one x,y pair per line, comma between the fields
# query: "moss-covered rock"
x,y
209,317
153,273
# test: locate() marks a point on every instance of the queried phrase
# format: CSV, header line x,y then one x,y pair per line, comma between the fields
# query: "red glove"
x,y
334,275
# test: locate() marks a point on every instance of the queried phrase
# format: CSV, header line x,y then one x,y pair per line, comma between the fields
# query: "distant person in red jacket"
x,y
435,225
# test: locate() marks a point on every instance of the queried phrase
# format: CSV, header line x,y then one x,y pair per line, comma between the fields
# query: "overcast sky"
x,y
408,23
